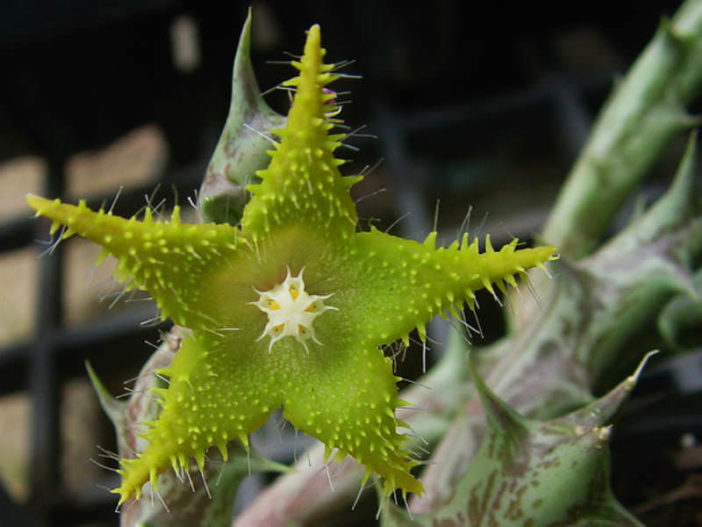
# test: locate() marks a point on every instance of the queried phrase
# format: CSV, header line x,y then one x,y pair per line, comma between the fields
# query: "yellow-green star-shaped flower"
x,y
289,308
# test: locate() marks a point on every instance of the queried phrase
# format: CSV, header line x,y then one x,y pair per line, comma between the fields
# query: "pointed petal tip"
x,y
313,44
314,33
36,202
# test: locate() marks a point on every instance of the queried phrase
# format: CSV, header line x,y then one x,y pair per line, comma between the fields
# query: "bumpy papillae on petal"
x,y
303,185
168,259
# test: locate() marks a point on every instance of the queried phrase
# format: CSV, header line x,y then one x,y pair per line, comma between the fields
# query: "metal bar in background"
x,y
43,382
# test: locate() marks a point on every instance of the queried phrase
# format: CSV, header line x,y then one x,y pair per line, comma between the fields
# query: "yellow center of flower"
x,y
291,311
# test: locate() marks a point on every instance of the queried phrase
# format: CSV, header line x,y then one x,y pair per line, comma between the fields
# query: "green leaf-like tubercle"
x,y
333,382
536,473
242,147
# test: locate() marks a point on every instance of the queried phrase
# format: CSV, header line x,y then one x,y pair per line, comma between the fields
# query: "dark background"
x,y
480,104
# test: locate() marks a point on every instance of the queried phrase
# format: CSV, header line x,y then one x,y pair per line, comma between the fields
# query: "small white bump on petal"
x,y
291,311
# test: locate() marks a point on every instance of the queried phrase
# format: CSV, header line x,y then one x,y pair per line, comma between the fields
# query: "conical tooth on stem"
x,y
422,332
200,459
430,240
488,245
153,478
510,280
222,447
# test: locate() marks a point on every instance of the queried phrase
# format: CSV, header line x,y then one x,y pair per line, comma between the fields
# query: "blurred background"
x,y
474,105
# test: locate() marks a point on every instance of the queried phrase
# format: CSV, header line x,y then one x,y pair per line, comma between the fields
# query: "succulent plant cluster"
x,y
280,301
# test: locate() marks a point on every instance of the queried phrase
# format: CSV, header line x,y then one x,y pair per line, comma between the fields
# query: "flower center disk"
x,y
291,311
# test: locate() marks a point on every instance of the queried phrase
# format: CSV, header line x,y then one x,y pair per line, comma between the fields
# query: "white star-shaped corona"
x,y
291,311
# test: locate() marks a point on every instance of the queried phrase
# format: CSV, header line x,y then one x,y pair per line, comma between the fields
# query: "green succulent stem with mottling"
x,y
298,234
643,114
